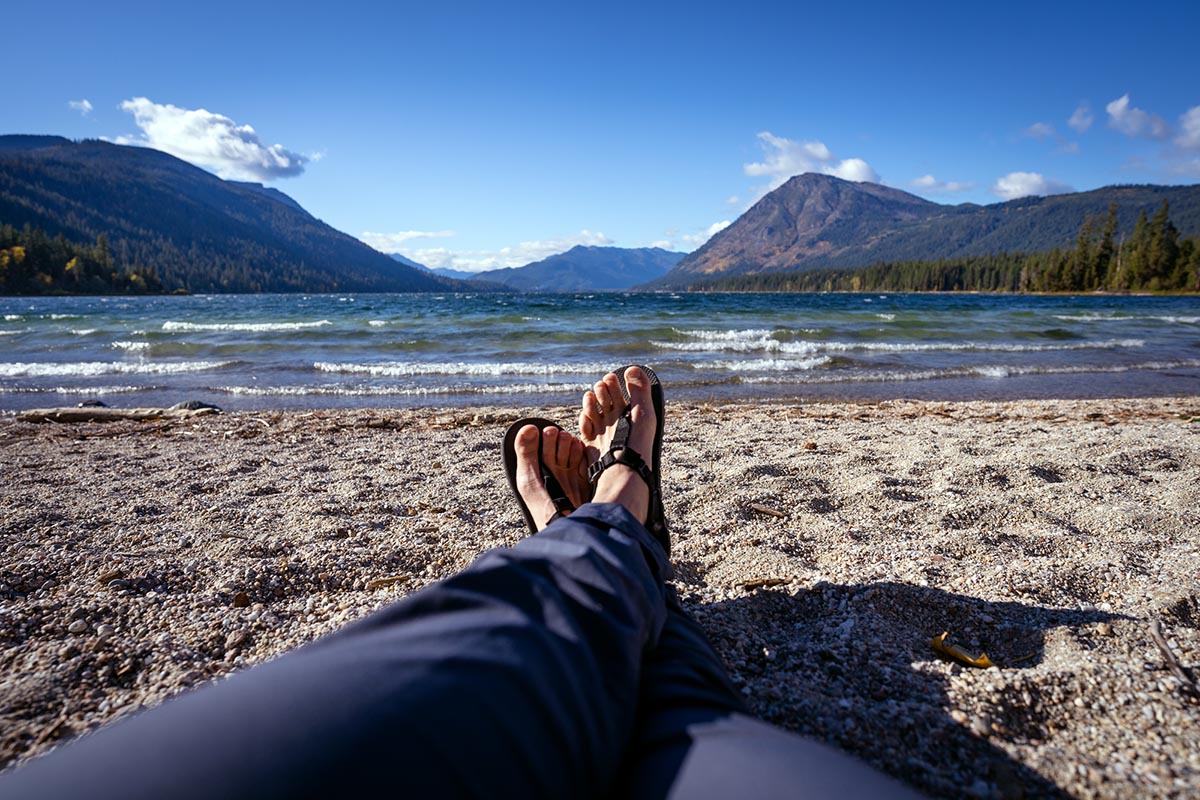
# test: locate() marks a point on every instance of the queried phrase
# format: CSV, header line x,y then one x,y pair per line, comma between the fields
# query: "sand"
x,y
141,558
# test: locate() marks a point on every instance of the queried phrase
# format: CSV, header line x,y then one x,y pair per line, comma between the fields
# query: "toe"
x,y
644,422
575,455
612,388
603,398
526,445
556,445
589,416
529,475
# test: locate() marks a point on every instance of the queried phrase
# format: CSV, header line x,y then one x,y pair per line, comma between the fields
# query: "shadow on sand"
x,y
853,666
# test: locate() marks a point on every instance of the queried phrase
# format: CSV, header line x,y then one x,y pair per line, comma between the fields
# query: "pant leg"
x,y
516,677
695,739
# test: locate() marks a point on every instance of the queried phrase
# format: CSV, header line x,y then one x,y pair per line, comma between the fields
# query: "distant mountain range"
x,y
815,221
456,274
584,268
580,269
196,231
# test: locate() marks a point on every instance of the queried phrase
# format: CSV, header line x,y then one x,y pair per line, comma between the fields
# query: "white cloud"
x,y
84,106
695,240
931,185
1023,184
392,242
732,200
1189,129
853,169
785,158
209,140
1040,130
1133,121
517,255
665,244
1082,118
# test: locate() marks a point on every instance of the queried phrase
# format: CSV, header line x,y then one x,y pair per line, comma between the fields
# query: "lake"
x,y
302,351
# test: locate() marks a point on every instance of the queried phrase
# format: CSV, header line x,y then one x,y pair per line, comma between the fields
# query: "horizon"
x,y
481,139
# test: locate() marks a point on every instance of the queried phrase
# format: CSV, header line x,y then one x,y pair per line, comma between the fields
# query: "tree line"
x,y
1154,258
33,263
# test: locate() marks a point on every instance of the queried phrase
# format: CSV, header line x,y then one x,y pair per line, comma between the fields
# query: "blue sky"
x,y
483,135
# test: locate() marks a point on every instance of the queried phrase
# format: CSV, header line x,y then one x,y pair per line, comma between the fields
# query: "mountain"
x,y
815,221
456,274
584,269
196,231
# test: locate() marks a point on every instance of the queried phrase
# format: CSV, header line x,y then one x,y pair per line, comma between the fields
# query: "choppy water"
x,y
255,351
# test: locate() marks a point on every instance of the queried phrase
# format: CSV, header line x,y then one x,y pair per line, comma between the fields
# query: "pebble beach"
x,y
822,547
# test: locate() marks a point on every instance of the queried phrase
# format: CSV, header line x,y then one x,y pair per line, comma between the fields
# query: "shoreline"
x,y
143,558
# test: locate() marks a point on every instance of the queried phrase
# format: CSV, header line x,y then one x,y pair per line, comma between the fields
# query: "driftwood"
x,y
98,414
770,512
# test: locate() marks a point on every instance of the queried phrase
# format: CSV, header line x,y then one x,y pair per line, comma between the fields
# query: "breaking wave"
x,y
86,369
249,327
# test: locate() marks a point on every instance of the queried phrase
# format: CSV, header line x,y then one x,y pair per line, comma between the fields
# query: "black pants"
x,y
563,667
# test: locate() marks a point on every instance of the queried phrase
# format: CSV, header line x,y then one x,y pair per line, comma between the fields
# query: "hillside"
x,y
194,230
584,268
818,221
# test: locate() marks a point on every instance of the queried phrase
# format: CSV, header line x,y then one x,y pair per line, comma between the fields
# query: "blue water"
x,y
292,351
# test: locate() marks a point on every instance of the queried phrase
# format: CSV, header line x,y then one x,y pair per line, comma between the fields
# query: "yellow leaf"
x,y
958,654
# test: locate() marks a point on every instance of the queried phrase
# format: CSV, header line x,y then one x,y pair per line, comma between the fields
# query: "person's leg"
x,y
516,677
694,737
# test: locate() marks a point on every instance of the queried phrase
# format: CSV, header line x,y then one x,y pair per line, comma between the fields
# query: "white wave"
x,y
997,347
986,371
751,334
767,364
62,316
84,369
132,347
84,331
886,317
1113,316
771,345
250,327
396,369
13,317
377,323
766,345
14,333
76,390
404,391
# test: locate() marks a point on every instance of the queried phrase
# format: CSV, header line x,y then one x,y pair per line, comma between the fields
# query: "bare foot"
x,y
603,405
563,454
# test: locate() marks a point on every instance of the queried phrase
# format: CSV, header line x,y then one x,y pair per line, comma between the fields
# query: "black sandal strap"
x,y
558,496
626,456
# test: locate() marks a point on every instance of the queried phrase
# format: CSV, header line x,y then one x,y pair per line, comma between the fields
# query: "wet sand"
x,y
821,546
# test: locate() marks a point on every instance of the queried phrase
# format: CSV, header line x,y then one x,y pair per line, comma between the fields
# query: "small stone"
x,y
108,576
50,584
241,600
236,639
78,626
981,726
1104,629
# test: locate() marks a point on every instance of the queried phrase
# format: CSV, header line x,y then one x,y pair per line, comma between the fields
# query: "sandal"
x,y
656,521
562,504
